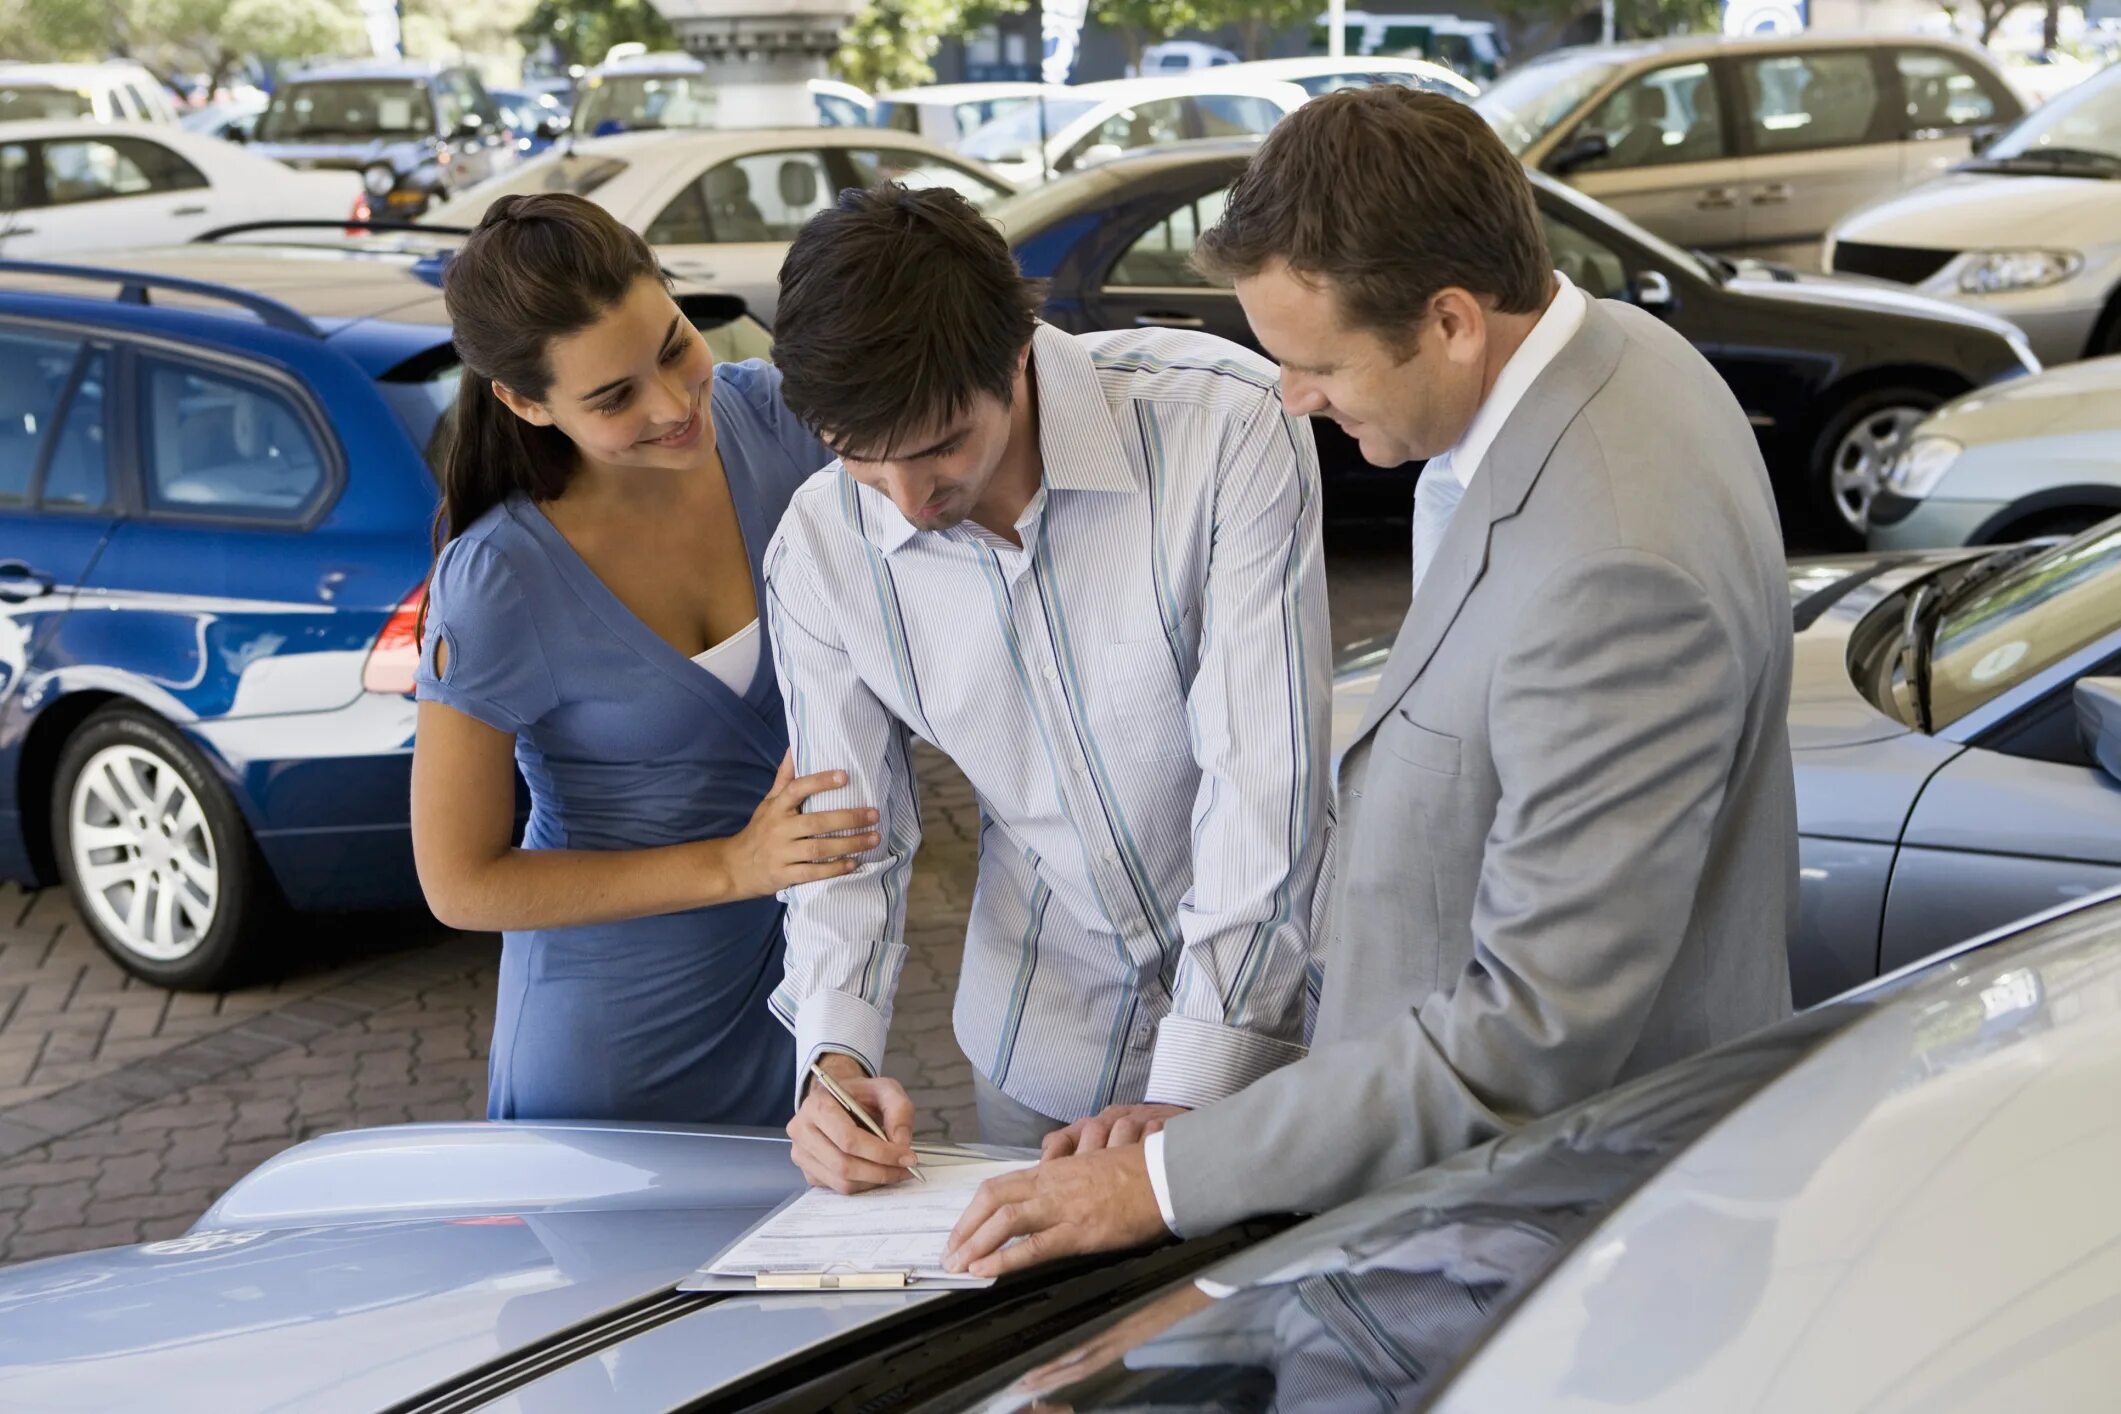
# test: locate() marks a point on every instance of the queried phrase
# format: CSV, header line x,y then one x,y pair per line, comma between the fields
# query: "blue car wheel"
x,y
155,853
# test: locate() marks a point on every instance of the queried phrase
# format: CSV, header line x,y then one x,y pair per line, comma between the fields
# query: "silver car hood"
x,y
1855,292
2073,399
361,1269
1990,211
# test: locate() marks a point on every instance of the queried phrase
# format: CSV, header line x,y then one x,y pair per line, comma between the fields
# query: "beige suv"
x,y
1749,145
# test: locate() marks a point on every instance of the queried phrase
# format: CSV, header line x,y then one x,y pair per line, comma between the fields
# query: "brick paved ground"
x,y
125,1110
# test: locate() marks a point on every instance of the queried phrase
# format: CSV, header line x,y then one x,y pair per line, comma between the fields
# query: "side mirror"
x,y
1652,289
551,128
470,127
1591,147
1983,138
1102,152
2098,703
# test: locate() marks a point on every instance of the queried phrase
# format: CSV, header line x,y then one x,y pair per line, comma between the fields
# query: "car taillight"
x,y
362,212
396,655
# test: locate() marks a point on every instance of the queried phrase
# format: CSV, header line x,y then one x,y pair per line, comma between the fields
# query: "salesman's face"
x,y
936,474
1400,400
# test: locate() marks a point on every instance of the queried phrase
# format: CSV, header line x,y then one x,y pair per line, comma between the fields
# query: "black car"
x,y
415,132
1831,370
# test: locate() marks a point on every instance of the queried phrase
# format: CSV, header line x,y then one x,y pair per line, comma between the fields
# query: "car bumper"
x,y
1927,524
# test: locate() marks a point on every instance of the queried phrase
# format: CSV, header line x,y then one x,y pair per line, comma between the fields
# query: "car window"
x,y
1526,104
2085,118
641,101
1148,124
34,369
1016,134
1798,102
899,117
143,102
838,111
450,105
225,446
766,196
920,171
2026,620
78,170
1666,116
1163,255
16,189
1591,265
78,475
1234,114
1941,91
341,109
164,169
30,103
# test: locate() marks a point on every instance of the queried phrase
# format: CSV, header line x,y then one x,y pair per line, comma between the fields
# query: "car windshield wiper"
x,y
2057,157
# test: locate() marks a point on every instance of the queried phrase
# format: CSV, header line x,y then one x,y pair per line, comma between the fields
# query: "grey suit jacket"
x,y
1567,841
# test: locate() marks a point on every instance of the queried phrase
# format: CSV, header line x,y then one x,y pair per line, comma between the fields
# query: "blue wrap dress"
x,y
627,744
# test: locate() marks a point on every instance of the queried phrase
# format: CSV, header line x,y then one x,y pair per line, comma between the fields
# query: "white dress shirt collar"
x,y
1563,317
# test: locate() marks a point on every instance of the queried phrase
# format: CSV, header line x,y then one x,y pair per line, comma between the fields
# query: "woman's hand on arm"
x,y
463,828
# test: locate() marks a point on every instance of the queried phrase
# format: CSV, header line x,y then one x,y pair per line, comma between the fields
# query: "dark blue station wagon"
x,y
215,508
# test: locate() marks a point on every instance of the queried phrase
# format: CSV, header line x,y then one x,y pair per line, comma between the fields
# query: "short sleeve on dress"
x,y
495,669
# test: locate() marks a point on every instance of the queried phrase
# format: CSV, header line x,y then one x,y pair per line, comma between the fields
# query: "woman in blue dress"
x,y
593,621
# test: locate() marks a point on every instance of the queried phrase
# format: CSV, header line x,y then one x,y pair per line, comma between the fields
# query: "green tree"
x,y
1258,21
891,43
215,36
1142,23
583,30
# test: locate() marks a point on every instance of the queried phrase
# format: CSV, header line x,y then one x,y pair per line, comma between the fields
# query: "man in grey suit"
x,y
1567,826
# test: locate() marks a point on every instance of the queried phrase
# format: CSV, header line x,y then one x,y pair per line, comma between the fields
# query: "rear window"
x,y
348,110
20,104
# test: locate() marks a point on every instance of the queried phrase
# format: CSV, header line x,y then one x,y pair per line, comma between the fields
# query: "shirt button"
x,y
1052,673
1144,1036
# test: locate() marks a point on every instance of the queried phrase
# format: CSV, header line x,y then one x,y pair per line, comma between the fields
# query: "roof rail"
x,y
133,287
341,224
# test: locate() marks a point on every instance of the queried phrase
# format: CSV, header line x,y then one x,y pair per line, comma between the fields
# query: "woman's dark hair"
x,y
538,268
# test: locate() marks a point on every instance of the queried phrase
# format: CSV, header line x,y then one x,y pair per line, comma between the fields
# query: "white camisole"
x,y
735,660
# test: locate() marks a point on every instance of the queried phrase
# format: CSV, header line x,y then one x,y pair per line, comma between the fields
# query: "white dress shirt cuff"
x,y
1198,1062
837,1021
1153,1155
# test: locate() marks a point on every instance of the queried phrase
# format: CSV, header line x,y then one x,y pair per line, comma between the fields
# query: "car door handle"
x,y
1717,199
19,583
1773,194
1159,320
189,211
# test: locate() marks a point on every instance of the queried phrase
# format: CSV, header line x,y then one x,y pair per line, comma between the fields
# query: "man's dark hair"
x,y
898,308
1388,194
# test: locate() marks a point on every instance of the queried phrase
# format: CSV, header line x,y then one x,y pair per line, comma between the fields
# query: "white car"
x,y
2030,229
635,90
951,112
114,92
721,206
1095,122
97,186
1316,74
1180,56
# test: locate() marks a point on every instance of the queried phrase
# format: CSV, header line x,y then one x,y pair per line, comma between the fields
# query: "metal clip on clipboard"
x,y
834,1281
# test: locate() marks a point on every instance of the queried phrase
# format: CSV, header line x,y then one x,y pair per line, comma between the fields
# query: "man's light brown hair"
x,y
1388,195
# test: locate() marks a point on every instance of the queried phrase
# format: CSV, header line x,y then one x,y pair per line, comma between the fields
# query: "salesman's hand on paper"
x,y
1099,1202
1115,1128
831,1147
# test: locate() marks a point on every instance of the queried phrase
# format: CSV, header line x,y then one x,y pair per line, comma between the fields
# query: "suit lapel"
x,y
1499,490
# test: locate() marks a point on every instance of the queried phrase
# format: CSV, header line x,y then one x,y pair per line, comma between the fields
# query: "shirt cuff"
x,y
1198,1062
1153,1155
837,1021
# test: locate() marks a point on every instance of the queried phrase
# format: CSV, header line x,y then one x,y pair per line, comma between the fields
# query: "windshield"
x,y
1594,215
1014,136
2034,616
633,102
1525,105
347,108
2086,118
24,104
1372,1305
575,173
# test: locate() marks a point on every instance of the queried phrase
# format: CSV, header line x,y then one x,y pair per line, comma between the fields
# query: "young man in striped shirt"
x,y
1088,570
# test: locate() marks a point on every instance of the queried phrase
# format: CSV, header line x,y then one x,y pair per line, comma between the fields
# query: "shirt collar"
x,y
1563,317
1079,445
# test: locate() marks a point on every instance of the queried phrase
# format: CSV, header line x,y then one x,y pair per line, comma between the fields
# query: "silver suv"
x,y
1753,145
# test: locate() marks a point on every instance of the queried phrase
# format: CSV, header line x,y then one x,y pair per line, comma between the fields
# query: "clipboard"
x,y
844,1276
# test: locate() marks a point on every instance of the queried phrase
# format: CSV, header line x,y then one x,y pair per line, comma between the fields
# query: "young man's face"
x,y
1397,406
938,474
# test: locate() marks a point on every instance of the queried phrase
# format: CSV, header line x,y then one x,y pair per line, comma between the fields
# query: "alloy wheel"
x,y
1858,466
143,854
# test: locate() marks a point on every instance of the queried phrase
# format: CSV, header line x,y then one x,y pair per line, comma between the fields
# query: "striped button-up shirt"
x,y
1139,696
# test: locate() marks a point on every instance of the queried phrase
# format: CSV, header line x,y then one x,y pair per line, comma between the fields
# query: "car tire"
x,y
1850,454
155,854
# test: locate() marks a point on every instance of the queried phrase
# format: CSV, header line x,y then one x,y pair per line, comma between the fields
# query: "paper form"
x,y
903,1228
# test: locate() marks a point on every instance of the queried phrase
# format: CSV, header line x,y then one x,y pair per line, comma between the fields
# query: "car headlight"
x,y
379,179
1920,465
1992,272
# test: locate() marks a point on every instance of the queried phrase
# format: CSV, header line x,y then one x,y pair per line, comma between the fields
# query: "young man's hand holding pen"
x,y
834,1149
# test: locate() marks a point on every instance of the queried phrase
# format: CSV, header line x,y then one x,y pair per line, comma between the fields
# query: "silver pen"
x,y
862,1117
